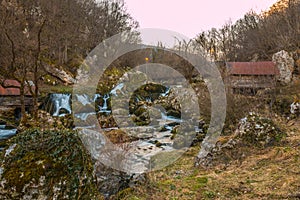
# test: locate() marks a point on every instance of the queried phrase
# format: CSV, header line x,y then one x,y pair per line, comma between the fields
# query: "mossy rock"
x,y
148,91
106,121
259,131
140,110
47,165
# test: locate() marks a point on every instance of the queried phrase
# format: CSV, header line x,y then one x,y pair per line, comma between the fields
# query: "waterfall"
x,y
166,93
104,108
96,96
170,118
106,96
58,104
117,88
83,99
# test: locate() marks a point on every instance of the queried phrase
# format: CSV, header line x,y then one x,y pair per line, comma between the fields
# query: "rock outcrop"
x,y
295,108
285,64
60,74
254,131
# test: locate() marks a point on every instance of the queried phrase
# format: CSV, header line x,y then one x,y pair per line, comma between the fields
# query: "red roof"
x,y
253,68
11,88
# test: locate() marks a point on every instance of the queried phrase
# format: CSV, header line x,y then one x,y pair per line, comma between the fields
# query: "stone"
x,y
253,131
80,108
179,142
47,165
60,73
112,181
120,111
285,63
295,108
82,75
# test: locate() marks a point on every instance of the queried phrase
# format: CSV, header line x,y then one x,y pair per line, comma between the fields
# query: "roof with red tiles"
x,y
12,88
252,68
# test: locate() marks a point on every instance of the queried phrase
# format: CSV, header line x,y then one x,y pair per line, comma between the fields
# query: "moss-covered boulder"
x,y
47,165
258,131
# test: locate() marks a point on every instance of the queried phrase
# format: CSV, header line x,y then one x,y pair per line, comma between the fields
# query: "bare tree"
x,y
40,35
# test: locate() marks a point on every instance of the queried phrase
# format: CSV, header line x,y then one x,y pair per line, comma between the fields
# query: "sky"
x,y
190,17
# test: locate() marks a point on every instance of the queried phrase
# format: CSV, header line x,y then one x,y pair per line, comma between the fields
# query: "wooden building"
x,y
249,77
10,96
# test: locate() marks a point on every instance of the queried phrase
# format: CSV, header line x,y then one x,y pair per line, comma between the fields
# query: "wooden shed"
x,y
249,77
10,94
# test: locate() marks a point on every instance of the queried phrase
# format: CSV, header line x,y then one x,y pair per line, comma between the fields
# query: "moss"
x,y
209,194
60,157
124,193
46,89
196,182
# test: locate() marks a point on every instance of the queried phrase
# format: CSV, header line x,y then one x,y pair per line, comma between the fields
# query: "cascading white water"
x,y
104,108
170,118
166,93
61,104
6,133
83,99
117,88
105,98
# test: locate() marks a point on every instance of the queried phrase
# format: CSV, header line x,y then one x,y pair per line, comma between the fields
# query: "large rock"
x,y
47,165
295,108
60,74
82,75
285,64
112,182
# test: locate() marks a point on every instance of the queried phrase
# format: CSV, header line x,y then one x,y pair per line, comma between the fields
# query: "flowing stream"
x,y
152,139
6,133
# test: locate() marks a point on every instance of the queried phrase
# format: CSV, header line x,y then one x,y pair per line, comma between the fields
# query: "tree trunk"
x,y
22,99
35,95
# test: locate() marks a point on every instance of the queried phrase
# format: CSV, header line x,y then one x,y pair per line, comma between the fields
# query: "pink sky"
x,y
190,17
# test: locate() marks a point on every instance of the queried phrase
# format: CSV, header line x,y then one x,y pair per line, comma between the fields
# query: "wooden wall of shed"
x,y
253,81
15,101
